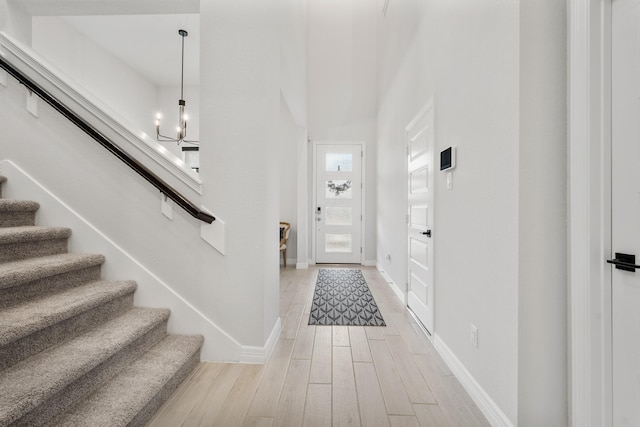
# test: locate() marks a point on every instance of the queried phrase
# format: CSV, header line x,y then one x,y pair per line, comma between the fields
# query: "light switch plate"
x,y
449,180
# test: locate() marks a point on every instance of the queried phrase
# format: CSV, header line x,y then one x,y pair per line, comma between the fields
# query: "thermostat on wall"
x,y
448,158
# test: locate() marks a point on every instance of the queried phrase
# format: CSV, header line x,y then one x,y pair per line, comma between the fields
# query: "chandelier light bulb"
x,y
182,128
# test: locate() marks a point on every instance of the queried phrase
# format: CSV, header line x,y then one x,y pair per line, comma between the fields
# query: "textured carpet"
x,y
74,350
342,297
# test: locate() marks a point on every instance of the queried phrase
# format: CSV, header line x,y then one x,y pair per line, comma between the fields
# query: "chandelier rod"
x,y
183,33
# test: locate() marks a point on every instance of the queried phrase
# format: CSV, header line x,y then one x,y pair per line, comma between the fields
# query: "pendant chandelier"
x,y
181,129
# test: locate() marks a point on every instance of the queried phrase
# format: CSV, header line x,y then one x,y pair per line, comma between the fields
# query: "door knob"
x,y
428,234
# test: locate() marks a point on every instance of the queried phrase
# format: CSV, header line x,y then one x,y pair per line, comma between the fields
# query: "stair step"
x,y
16,213
32,241
42,387
36,277
33,326
135,394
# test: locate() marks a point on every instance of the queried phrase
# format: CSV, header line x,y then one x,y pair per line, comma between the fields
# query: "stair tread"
x,y
25,319
17,272
10,205
26,385
120,400
32,233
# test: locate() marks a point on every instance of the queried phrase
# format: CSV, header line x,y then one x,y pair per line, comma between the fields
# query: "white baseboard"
x,y
370,263
260,355
302,265
290,261
489,408
396,289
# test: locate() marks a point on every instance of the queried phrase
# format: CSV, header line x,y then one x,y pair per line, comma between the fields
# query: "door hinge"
x,y
361,154
360,249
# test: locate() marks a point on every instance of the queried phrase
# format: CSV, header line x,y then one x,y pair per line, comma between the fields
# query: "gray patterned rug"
x,y
342,297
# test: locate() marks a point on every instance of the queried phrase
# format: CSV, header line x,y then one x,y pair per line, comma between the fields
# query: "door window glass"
x,y
337,243
338,215
339,162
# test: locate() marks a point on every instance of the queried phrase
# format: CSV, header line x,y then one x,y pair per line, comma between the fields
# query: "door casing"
x,y
589,202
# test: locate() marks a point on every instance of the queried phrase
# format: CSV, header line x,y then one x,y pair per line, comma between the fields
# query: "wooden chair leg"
x,y
284,258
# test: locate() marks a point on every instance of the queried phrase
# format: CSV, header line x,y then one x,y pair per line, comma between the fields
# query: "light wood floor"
x,y
329,375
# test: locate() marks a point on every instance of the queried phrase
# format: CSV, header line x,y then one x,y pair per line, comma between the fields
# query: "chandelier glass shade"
x,y
181,129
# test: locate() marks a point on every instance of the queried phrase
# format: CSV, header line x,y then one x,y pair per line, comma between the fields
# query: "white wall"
x,y
542,310
128,95
468,56
15,21
240,97
288,157
342,85
293,89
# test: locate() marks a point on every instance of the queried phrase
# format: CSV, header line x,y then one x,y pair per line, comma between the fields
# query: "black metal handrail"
x,y
138,167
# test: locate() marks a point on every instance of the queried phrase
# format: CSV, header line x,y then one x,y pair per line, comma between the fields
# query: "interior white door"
x,y
419,134
338,215
625,232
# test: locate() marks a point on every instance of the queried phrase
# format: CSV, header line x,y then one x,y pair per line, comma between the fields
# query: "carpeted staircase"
x,y
74,351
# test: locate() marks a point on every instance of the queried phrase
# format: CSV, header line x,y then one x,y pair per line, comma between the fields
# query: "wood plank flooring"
x,y
329,375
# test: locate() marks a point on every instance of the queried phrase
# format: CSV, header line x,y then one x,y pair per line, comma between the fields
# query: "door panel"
x,y
625,195
338,203
419,134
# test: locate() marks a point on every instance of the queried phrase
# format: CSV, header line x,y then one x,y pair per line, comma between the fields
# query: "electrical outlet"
x,y
474,335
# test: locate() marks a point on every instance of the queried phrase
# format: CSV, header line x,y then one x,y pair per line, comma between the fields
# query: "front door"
x,y
338,209
625,194
419,136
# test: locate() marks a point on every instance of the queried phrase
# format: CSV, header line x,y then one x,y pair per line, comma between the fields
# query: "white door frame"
x,y
589,233
363,147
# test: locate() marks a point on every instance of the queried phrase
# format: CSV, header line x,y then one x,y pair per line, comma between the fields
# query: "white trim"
x,y
370,263
37,68
394,287
489,408
260,355
589,228
363,201
302,265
